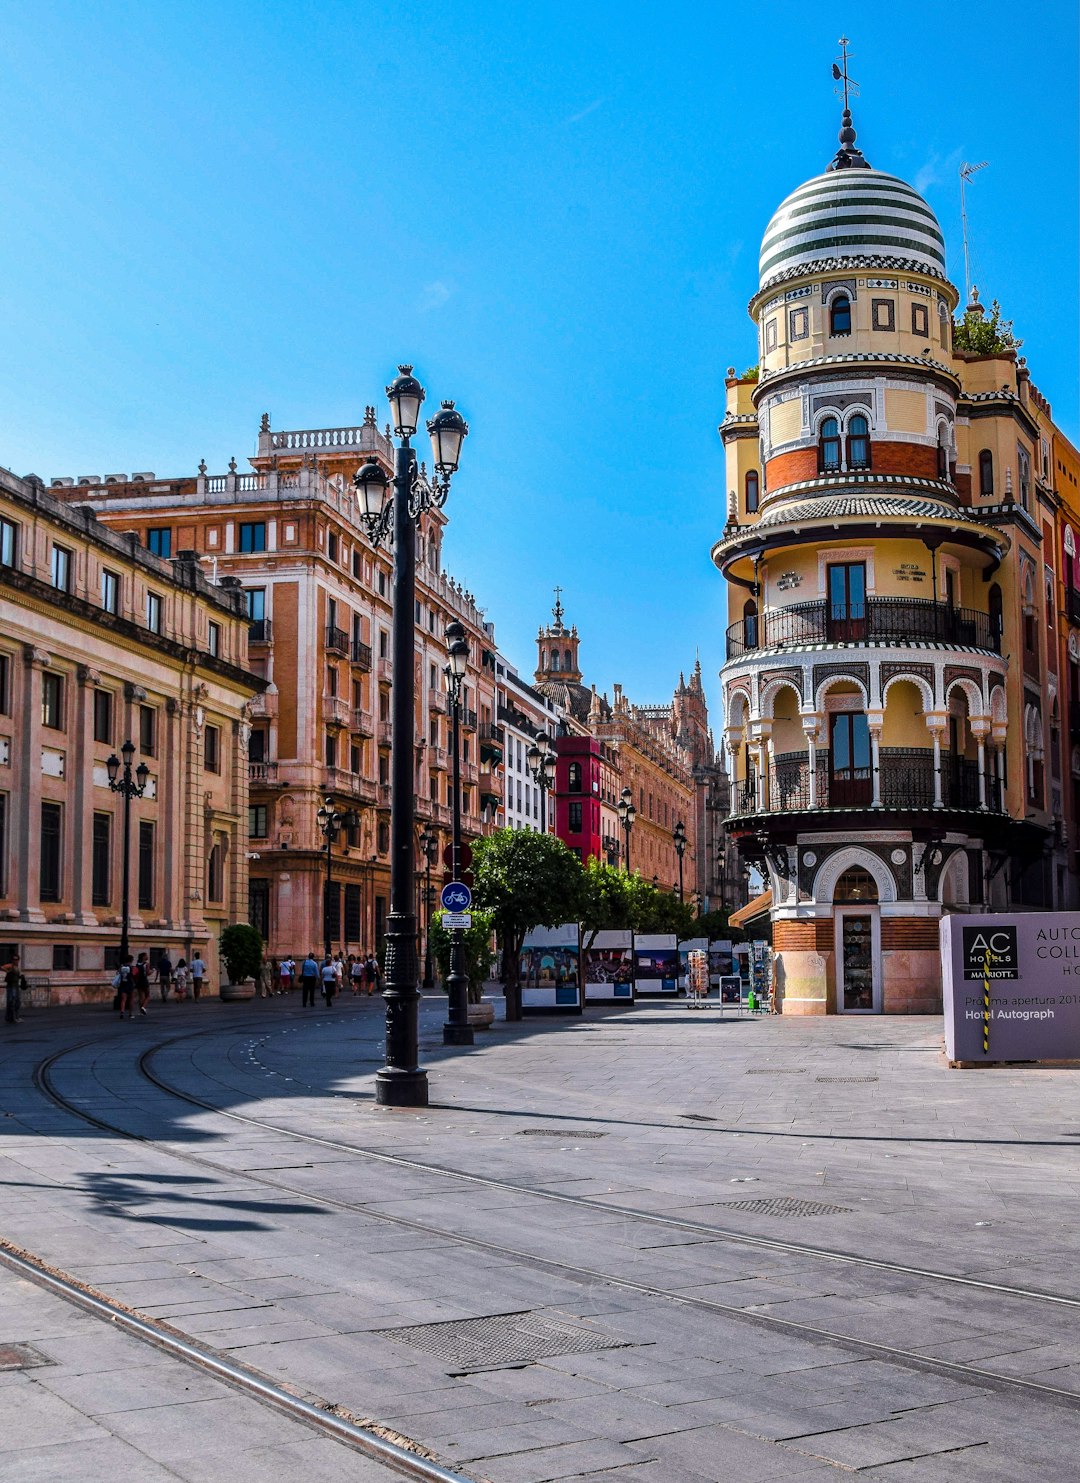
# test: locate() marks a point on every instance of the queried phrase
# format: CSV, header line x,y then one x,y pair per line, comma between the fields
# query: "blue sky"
x,y
553,211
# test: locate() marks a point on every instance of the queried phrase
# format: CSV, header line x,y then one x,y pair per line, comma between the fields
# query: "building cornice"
x,y
864,360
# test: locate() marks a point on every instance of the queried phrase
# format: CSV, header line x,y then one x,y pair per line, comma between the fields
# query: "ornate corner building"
x,y
891,547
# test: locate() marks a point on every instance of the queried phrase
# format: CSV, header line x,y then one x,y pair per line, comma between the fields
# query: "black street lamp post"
x,y
457,1030
429,848
330,822
678,839
128,786
402,1082
627,813
541,761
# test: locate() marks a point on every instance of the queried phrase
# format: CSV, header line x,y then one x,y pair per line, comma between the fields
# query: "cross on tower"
x,y
557,610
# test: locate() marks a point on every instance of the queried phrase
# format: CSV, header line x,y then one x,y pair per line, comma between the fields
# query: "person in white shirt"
x,y
328,974
198,973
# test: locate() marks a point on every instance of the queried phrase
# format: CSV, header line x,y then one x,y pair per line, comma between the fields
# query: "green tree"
x,y
525,880
241,950
653,910
715,926
606,902
980,333
476,941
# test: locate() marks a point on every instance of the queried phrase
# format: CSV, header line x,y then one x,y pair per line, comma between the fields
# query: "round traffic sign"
x,y
456,896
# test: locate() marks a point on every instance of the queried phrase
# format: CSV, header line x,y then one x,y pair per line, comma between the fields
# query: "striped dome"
x,y
851,214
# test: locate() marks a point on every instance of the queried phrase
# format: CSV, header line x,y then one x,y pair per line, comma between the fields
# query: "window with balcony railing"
x,y
337,640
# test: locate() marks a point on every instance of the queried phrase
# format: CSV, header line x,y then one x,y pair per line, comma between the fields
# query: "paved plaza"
x,y
642,1246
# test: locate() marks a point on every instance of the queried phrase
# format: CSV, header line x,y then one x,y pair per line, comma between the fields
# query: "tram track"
x,y
970,1373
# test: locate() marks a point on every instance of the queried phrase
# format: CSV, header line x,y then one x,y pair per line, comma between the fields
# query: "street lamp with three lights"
x,y
129,786
541,761
627,814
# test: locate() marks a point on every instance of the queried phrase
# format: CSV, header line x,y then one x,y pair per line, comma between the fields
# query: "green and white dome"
x,y
851,213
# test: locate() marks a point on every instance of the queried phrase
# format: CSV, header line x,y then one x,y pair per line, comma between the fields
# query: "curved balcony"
x,y
878,620
906,781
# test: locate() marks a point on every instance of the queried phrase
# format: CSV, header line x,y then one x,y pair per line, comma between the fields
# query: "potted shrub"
x,y
241,953
476,941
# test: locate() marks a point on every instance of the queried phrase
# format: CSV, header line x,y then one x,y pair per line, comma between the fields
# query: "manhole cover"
x,y
785,1205
775,1071
560,1133
21,1357
846,1079
502,1340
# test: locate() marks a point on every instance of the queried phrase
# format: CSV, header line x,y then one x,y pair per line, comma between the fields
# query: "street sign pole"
x,y
456,1030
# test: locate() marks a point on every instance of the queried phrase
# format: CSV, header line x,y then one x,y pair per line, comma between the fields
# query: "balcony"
x,y
362,724
468,720
336,710
386,733
878,620
1031,663
442,813
439,758
360,655
264,706
906,777
491,786
382,795
437,700
469,772
262,774
492,739
337,641
385,670
353,786
261,631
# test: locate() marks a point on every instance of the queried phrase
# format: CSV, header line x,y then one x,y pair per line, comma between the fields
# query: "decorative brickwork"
x,y
909,934
918,460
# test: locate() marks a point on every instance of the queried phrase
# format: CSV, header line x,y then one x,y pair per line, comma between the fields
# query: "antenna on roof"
x,y
966,172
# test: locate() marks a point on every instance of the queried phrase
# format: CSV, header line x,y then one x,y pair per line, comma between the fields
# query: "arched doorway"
x,y
858,943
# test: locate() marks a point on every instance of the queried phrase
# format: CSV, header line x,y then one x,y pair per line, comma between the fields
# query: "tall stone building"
x,y
892,678
318,603
103,642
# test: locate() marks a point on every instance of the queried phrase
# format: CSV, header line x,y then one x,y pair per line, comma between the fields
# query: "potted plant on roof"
x,y
241,953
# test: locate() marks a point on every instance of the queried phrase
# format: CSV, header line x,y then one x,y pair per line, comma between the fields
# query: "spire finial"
x,y
557,610
847,156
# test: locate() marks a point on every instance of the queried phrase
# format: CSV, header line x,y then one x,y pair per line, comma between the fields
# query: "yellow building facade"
x,y
892,674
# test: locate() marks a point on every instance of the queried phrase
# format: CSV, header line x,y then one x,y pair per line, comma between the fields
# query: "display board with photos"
x,y
549,971
608,965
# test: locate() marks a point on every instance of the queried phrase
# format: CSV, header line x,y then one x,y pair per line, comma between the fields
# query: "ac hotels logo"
x,y
990,952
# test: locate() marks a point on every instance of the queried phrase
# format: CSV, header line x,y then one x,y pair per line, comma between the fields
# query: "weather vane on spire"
x,y
847,157
557,610
840,74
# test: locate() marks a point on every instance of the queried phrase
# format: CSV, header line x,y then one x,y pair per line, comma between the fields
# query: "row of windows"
x,y
61,566
882,317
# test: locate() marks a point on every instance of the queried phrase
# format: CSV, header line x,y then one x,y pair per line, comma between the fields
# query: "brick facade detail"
x,y
917,460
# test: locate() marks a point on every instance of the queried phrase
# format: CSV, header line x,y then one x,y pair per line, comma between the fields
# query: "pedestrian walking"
x,y
356,972
180,979
328,974
266,979
198,973
339,973
309,977
141,976
124,983
371,974
164,974
14,983
285,976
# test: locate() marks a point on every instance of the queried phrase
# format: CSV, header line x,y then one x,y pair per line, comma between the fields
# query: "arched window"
x,y
750,624
554,658
858,443
986,473
997,615
829,445
840,315
943,323
568,660
752,487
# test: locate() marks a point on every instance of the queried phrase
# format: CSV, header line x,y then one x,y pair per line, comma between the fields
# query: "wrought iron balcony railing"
x,y
905,781
878,620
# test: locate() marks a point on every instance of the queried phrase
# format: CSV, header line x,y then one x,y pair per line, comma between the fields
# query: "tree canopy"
x,y
526,880
980,333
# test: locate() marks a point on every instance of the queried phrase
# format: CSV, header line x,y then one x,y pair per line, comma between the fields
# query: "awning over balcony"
x,y
760,906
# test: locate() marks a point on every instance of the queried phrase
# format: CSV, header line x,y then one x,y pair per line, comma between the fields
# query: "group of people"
x,y
131,985
330,973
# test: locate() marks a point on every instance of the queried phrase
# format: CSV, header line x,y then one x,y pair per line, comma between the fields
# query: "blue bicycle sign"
x,y
456,896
